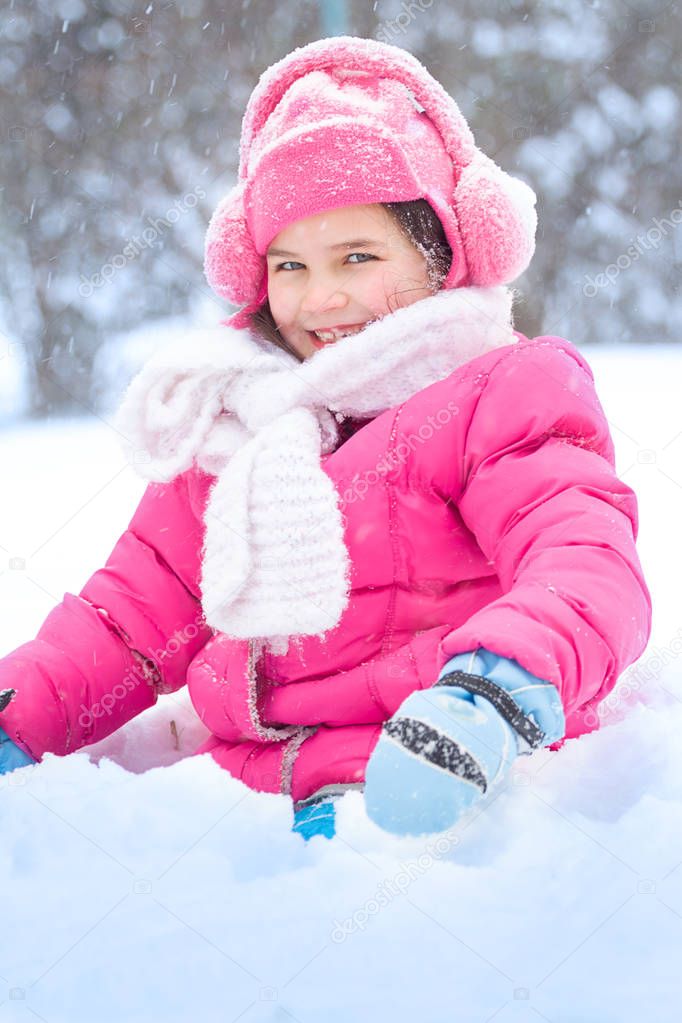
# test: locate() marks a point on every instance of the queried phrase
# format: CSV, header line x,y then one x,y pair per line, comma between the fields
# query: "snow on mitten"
x,y
447,747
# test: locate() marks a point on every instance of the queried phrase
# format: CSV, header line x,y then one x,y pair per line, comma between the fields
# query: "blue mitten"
x,y
11,756
315,819
448,746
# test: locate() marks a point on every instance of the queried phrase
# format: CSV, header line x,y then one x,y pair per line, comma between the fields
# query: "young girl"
x,y
384,543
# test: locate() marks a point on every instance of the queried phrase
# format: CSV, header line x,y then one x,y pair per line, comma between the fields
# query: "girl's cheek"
x,y
279,302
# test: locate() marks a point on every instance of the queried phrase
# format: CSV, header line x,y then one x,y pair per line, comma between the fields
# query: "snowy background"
x,y
138,882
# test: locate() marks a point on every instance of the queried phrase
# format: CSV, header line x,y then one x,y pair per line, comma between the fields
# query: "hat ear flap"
x,y
497,222
232,266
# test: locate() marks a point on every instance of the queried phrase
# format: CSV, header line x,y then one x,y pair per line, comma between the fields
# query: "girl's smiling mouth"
x,y
328,335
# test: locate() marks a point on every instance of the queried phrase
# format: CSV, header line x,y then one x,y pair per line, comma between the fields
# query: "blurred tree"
x,y
120,134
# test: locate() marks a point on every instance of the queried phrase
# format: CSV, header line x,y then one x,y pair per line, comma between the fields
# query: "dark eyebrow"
x,y
355,243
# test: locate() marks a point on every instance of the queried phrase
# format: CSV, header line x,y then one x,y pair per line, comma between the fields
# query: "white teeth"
x,y
333,335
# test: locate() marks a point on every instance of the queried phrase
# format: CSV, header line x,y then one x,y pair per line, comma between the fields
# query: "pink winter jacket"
x,y
483,511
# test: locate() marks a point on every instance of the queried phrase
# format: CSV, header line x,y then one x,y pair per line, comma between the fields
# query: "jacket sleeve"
x,y
101,657
542,498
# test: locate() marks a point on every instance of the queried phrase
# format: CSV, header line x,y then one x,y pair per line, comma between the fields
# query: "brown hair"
x,y
418,221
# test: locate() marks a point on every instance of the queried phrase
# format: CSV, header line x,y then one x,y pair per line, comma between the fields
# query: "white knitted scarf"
x,y
274,562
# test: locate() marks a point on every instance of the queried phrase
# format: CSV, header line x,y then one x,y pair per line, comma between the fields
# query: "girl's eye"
x,y
290,262
368,256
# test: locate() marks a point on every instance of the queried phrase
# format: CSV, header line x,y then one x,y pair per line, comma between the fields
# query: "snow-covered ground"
x,y
139,883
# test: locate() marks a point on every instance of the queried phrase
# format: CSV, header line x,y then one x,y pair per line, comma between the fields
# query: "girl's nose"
x,y
322,296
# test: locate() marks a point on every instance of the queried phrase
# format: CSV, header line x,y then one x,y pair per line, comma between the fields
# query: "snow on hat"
x,y
349,121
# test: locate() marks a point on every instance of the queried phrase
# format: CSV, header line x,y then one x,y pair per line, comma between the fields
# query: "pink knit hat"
x,y
346,121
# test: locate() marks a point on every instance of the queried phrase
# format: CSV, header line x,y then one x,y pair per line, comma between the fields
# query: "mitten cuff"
x,y
503,703
543,720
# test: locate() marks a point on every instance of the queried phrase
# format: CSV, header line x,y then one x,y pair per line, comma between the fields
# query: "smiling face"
x,y
331,274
